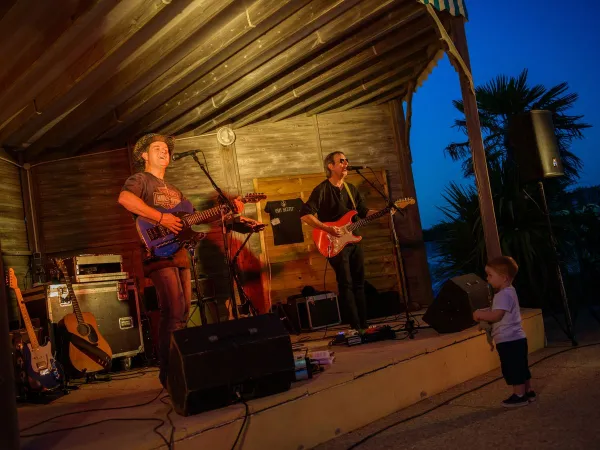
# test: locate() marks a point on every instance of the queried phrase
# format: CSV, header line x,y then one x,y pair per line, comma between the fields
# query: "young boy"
x,y
508,334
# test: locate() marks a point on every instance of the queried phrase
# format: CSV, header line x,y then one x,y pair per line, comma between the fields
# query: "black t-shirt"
x,y
330,203
285,219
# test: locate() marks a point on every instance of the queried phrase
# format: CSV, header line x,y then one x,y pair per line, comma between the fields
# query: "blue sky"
x,y
556,40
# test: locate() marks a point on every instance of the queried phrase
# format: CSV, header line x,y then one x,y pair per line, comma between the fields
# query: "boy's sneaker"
x,y
531,396
514,401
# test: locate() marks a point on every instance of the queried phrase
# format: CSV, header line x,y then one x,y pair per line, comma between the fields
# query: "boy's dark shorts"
x,y
513,359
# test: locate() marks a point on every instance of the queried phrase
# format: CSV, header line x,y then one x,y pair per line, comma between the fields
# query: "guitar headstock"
x,y
404,202
11,279
254,197
61,265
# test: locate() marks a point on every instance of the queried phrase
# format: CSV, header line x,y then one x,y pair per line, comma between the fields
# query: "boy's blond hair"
x,y
504,265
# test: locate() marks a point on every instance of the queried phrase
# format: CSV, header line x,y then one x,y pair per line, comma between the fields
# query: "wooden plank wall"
x,y
13,231
76,198
77,209
297,265
296,147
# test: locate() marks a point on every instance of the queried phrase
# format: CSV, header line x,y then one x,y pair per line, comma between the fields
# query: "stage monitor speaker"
x,y
211,364
535,146
452,310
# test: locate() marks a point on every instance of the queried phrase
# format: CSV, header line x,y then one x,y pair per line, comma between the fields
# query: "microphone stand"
x,y
223,200
409,325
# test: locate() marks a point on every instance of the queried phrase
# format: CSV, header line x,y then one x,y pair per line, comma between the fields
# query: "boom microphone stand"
x,y
409,325
225,201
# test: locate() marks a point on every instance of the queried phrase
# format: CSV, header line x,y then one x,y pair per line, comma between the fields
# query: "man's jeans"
x,y
174,291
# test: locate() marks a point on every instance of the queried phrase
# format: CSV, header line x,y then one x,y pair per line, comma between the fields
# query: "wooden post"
x,y
486,204
9,431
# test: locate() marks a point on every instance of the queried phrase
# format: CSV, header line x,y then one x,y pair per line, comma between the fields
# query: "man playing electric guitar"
x,y
330,200
142,194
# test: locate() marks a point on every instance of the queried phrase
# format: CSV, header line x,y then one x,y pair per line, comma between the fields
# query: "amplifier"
x,y
314,312
90,268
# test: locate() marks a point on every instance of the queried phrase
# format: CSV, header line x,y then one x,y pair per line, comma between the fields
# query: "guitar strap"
x,y
350,195
95,353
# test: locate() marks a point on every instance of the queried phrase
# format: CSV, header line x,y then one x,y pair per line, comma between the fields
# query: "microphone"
x,y
177,156
356,167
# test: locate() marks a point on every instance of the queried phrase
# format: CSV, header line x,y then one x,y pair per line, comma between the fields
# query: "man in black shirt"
x,y
330,200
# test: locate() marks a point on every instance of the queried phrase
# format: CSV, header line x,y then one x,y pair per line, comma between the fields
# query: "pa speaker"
x,y
452,310
210,365
535,146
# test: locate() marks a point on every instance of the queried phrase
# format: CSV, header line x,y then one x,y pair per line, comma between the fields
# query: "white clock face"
x,y
225,136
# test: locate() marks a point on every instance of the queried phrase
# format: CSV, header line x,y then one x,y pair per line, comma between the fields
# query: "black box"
x,y
314,312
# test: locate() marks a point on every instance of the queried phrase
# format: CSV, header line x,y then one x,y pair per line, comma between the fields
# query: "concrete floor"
x,y
566,415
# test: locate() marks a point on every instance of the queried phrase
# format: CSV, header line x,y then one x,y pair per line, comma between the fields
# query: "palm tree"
x,y
521,224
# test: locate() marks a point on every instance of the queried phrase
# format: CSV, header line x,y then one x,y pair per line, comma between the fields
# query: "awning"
x,y
454,7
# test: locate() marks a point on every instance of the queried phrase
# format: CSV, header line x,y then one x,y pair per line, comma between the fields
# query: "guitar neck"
x,y
73,298
28,326
208,215
362,222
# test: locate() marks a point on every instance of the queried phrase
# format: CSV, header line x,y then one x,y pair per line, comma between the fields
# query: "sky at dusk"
x,y
556,40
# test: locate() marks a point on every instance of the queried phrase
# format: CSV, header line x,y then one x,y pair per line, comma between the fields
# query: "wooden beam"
x,y
5,7
336,58
210,45
126,27
55,58
389,80
157,55
486,202
311,44
306,95
295,28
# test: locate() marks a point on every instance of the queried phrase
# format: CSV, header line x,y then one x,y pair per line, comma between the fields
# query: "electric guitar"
x,y
88,350
41,371
329,245
162,242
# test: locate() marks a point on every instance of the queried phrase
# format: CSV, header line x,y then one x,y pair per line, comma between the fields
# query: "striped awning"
x,y
454,7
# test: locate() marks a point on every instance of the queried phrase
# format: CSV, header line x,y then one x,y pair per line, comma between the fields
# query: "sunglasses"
x,y
344,160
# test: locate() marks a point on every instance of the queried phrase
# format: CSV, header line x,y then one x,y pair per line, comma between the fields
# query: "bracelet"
x,y
161,217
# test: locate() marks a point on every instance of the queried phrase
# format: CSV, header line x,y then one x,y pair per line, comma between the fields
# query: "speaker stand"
x,y
563,293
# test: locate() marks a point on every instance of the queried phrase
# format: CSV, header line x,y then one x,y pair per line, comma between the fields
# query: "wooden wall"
x,y
77,210
13,231
297,265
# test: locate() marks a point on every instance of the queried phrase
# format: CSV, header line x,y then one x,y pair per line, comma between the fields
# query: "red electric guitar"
x,y
330,246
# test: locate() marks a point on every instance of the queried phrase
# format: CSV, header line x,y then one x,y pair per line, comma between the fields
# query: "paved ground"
x,y
566,415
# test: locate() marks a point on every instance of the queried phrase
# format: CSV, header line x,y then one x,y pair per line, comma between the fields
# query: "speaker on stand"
x,y
537,156
536,150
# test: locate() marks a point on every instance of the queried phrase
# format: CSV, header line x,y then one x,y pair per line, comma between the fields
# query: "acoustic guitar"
x,y
40,371
88,350
329,245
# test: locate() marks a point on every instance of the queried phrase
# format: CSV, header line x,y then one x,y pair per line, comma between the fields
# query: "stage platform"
x,y
365,383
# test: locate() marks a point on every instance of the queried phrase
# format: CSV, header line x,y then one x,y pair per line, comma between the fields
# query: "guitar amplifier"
x,y
314,312
90,268
114,304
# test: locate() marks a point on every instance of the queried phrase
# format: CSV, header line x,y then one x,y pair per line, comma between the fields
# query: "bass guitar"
x,y
162,242
329,245
88,350
40,372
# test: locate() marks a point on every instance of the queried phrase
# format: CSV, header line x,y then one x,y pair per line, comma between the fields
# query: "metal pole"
x,y
563,292
9,431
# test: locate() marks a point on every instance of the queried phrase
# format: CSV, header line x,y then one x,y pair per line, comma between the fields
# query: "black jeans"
x,y
349,270
174,292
